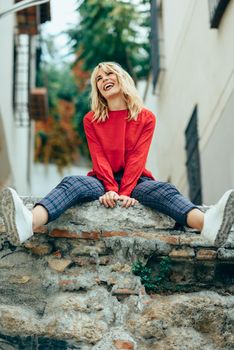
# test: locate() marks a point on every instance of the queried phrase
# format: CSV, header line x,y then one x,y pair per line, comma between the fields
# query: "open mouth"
x,y
108,86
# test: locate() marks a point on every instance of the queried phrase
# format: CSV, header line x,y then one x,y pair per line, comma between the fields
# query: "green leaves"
x,y
111,30
148,279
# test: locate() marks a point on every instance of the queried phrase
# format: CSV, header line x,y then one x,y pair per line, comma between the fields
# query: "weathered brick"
x,y
59,265
182,253
68,234
86,260
58,254
41,229
194,241
170,239
123,344
114,233
124,292
206,254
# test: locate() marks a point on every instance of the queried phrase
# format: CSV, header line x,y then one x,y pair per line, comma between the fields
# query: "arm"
x,y
136,158
101,165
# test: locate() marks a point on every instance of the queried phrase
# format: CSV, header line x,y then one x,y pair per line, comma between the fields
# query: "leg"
x,y
215,224
20,221
39,216
165,198
195,219
71,190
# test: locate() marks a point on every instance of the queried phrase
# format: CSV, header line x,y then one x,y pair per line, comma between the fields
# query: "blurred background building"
x,y
193,84
20,103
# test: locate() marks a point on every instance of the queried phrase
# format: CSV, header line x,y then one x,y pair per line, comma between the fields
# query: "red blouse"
x,y
120,145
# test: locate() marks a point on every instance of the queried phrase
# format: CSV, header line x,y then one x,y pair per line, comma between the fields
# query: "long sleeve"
x,y
135,159
101,165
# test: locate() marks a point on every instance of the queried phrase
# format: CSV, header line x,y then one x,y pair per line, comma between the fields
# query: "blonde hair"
x,y
98,102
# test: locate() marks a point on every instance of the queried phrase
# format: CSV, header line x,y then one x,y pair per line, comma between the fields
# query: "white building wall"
x,y
16,138
199,69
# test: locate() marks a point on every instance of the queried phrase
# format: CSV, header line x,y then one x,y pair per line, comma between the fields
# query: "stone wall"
x,y
71,286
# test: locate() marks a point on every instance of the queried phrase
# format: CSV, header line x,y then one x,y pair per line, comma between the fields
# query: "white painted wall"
x,y
16,138
199,70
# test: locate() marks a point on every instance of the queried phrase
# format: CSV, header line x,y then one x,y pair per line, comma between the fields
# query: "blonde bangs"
x,y
99,104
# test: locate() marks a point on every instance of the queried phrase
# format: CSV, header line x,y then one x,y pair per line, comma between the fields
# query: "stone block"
x,y
88,248
164,237
87,216
59,265
225,254
118,267
38,248
88,260
2,228
206,254
186,253
194,240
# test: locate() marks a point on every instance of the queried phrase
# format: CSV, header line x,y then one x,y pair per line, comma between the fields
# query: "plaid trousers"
x,y
161,196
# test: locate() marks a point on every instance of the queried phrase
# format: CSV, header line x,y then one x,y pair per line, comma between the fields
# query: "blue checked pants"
x,y
161,196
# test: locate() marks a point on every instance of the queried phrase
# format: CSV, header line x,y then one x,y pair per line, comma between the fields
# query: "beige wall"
x,y
199,64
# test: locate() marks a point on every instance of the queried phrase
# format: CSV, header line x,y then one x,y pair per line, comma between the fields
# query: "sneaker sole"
x,y
228,221
8,213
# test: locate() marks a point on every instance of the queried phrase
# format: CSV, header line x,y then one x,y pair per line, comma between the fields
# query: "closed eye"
x,y
98,78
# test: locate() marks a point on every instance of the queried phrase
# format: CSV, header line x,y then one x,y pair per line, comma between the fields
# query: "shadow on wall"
x,y
5,168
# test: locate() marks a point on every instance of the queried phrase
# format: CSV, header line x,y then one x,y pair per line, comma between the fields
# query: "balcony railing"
x,y
217,8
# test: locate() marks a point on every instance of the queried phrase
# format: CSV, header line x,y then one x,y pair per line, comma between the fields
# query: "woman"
x,y
119,131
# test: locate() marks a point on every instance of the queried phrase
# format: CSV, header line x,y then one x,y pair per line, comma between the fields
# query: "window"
x,y
193,159
22,78
217,8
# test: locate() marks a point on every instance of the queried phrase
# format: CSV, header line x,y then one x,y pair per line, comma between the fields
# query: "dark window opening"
x,y
193,159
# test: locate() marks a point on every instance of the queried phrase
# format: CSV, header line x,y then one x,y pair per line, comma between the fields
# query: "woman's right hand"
x,y
109,199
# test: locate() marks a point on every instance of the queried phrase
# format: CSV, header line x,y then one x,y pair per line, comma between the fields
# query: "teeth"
x,y
108,86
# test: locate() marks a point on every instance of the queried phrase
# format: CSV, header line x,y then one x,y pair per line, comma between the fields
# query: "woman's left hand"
x,y
127,201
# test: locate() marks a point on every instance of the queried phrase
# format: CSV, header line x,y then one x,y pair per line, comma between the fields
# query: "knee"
x,y
158,189
70,180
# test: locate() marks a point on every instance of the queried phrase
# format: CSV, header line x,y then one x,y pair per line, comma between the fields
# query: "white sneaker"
x,y
219,219
17,218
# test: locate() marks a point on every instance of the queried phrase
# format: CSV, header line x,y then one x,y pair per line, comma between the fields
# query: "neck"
x,y
116,103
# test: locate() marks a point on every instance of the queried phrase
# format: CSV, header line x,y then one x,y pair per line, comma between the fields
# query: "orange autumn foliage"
x,y
56,141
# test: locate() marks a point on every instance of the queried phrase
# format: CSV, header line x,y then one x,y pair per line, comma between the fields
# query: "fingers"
x,y
109,199
127,201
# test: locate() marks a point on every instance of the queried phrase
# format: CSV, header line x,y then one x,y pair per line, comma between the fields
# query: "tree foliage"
x,y
111,30
57,140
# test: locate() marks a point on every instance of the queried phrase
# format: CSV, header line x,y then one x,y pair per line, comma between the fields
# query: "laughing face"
x,y
107,84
